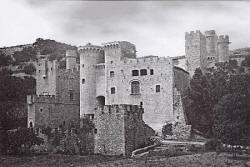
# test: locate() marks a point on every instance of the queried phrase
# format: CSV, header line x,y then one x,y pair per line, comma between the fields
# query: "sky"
x,y
155,27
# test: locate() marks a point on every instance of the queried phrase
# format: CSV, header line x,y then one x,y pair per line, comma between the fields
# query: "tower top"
x,y
71,53
210,33
89,47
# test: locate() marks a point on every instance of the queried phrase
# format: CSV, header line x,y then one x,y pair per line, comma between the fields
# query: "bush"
x,y
213,145
29,69
21,140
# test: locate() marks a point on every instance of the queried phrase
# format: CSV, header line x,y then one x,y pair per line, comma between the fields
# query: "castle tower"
x,y
195,48
71,56
115,52
46,77
223,48
90,55
211,47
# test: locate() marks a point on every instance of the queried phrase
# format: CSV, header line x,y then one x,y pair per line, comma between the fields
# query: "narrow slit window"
x,y
112,74
113,90
151,72
158,88
83,81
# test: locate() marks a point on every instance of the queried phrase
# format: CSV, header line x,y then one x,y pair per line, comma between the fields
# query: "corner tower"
x,y
195,48
211,47
223,48
90,55
71,56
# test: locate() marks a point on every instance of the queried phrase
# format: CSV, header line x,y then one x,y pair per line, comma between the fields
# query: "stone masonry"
x,y
119,129
57,94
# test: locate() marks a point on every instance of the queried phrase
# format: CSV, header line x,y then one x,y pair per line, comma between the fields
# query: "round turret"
x,y
90,55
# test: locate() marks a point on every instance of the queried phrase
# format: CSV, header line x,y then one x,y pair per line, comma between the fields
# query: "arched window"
x,y
135,87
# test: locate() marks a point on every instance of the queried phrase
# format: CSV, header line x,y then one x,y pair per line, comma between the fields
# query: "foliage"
x,y
26,55
62,64
21,140
29,69
5,60
56,50
246,62
218,106
213,145
232,115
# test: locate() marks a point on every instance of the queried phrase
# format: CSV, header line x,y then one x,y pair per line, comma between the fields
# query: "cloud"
x,y
156,28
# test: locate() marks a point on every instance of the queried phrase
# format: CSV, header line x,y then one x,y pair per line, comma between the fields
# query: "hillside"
x,y
26,53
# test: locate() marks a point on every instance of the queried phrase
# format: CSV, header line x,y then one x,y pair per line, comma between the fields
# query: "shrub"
x,y
213,145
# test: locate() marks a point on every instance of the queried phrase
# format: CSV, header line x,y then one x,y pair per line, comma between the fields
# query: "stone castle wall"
x,y
46,111
158,106
120,129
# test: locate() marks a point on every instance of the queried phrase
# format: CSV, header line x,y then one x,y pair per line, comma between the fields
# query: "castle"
x,y
204,50
124,95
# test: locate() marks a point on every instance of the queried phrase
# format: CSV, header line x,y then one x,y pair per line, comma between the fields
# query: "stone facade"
x,y
57,98
204,50
112,74
119,129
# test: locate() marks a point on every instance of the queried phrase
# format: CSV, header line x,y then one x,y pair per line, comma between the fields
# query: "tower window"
x,y
82,65
41,109
143,71
112,74
158,88
95,131
151,72
83,81
71,95
135,87
135,72
113,90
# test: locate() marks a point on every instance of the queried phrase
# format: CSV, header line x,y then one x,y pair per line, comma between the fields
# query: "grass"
x,y
57,160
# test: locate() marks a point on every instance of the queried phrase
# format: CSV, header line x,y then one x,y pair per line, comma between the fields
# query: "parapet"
x,y
100,66
41,99
210,33
125,109
117,44
71,53
193,34
223,39
147,59
90,48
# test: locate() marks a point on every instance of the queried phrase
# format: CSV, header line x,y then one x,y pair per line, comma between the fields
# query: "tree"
x,y
22,137
29,69
232,115
199,110
5,60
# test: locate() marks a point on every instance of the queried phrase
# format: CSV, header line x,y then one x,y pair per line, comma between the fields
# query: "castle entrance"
x,y
100,100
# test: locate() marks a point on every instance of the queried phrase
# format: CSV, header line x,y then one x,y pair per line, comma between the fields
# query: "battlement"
x,y
117,44
210,33
90,48
125,109
71,53
192,34
223,39
41,99
151,59
100,66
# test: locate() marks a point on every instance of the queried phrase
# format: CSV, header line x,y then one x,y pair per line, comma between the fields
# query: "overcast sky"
x,y
156,28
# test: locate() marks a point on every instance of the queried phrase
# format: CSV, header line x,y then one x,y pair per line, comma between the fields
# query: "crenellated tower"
x,y
46,77
71,56
195,48
90,56
203,51
223,48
